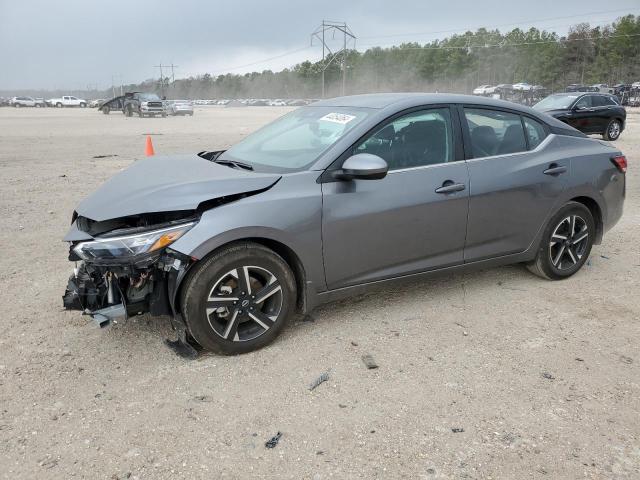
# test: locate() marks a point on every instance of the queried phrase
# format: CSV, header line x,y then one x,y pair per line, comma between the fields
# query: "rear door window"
x,y
494,132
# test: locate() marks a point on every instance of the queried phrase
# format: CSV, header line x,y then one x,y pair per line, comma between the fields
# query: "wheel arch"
x,y
286,252
596,212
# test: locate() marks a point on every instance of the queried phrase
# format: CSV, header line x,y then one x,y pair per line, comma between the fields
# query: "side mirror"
x,y
362,166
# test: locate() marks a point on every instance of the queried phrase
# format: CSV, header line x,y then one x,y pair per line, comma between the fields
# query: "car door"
x,y
514,181
412,220
582,116
604,110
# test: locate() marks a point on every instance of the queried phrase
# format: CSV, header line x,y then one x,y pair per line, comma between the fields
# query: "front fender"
x,y
289,213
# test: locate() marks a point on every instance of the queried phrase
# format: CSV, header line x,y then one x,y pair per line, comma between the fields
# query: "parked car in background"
x,y
144,104
634,95
22,102
484,90
602,88
578,87
203,237
591,113
522,86
97,103
179,107
67,101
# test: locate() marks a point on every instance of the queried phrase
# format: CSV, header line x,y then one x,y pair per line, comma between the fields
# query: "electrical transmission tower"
x,y
322,34
162,78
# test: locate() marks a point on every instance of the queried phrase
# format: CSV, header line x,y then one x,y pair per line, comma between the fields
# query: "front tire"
x,y
613,131
106,110
239,299
566,243
83,105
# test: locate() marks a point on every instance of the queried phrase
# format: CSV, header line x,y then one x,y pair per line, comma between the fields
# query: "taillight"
x,y
620,162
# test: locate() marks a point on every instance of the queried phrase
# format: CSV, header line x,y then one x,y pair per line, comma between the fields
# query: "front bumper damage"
x,y
114,291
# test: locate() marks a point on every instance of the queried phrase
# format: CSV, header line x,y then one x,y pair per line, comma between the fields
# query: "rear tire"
x,y
566,243
224,315
59,105
613,131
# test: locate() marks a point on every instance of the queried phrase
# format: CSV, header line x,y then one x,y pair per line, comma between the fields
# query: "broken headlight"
x,y
112,248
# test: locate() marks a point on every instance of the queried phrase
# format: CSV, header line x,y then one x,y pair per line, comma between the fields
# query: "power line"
x,y
220,70
503,44
491,33
494,26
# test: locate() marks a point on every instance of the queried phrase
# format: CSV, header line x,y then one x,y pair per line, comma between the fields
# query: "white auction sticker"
x,y
341,118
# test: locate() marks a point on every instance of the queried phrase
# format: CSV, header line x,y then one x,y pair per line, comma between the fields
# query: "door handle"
x,y
450,187
555,169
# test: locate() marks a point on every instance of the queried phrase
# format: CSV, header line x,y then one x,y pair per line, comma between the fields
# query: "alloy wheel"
x,y
569,242
614,130
244,303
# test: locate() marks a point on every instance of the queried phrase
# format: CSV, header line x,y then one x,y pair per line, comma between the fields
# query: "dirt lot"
x,y
543,378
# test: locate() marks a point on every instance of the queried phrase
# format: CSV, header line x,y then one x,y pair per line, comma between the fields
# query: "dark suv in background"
x,y
588,112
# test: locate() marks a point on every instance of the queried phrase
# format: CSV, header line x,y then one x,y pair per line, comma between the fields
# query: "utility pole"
x,y
161,79
173,77
328,55
113,85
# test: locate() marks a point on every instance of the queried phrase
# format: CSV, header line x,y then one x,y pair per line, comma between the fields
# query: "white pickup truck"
x,y
67,101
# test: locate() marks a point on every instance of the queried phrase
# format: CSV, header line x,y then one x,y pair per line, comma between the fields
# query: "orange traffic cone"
x,y
148,150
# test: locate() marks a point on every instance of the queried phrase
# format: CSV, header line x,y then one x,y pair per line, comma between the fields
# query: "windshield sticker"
x,y
341,118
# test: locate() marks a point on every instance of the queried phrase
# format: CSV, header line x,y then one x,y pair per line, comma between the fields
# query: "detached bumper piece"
x,y
105,316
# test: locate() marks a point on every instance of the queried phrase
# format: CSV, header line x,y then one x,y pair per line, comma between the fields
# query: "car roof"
x,y
579,94
408,100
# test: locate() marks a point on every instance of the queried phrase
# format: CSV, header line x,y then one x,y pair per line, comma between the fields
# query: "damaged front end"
x,y
127,270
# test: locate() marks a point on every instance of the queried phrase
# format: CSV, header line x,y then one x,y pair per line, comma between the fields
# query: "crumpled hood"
x,y
169,183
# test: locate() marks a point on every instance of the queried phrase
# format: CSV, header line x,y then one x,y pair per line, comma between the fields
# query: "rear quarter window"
x,y
536,132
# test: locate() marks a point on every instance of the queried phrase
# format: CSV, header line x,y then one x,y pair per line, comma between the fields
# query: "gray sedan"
x,y
334,199
179,107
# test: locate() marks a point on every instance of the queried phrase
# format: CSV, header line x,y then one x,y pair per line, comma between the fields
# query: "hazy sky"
x,y
75,43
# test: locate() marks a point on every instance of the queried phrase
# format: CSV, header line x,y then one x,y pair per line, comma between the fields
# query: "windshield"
x,y
297,139
555,102
148,96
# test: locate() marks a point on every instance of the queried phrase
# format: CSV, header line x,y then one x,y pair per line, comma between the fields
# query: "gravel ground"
x,y
493,374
